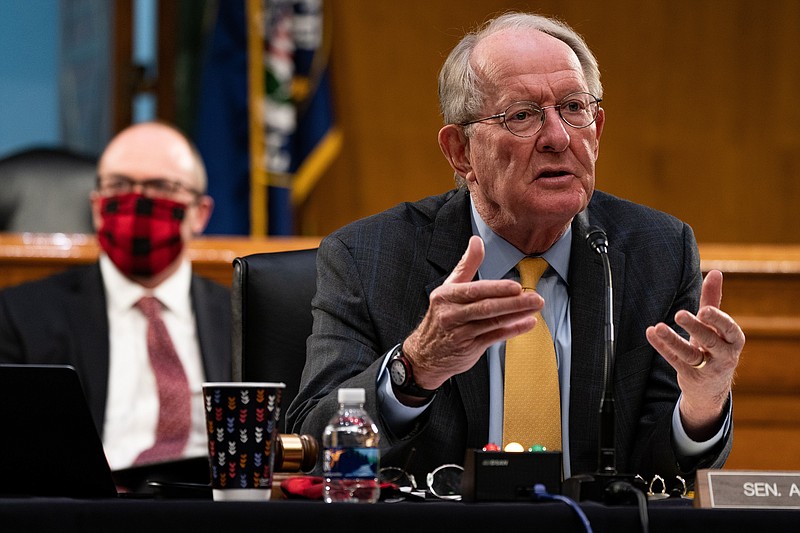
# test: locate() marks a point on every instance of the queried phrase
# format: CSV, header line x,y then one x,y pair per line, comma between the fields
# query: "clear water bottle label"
x,y
351,463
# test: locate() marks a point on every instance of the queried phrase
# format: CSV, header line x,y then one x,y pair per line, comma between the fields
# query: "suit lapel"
x,y
449,240
88,320
213,344
451,232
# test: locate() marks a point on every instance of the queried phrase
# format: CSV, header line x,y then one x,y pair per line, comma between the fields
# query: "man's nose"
x,y
553,137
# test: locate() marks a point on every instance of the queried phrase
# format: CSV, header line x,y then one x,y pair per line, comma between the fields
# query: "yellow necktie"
x,y
531,400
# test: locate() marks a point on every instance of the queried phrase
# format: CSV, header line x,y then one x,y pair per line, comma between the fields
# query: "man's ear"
x,y
600,121
455,147
203,209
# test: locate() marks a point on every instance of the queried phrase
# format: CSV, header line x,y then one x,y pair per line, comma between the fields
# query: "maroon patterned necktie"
x,y
174,411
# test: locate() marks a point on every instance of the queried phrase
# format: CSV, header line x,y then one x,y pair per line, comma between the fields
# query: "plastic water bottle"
x,y
351,457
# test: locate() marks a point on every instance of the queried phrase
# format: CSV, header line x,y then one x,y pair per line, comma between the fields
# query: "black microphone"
x,y
596,487
598,241
606,460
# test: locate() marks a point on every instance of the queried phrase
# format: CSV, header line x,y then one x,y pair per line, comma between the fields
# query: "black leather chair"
x,y
271,298
46,190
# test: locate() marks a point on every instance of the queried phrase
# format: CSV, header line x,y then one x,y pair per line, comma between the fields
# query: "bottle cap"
x,y
351,395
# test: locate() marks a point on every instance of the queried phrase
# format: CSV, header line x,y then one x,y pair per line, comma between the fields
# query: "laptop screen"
x,y
49,445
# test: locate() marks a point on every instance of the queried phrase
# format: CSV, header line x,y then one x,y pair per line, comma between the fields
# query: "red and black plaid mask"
x,y
141,235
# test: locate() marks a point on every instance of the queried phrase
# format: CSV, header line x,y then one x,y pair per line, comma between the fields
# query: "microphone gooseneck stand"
x,y
606,484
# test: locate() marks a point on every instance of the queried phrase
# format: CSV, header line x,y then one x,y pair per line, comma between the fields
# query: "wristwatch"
x,y
402,377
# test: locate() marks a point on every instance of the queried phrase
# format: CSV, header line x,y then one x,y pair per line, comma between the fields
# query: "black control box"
x,y
508,476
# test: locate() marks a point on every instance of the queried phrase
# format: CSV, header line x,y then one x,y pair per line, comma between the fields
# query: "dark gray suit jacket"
x,y
62,319
373,281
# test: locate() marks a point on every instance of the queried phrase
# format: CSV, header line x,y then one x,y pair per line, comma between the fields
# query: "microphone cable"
x,y
540,493
618,490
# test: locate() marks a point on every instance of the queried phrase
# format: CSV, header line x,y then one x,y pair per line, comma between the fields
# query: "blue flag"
x,y
272,135
221,133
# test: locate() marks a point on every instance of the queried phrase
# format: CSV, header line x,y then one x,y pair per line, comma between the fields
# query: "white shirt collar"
x,y
122,293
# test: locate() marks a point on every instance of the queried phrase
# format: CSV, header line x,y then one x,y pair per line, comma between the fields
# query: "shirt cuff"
x,y
399,417
684,445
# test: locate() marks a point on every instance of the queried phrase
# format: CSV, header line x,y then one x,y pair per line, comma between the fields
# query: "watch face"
x,y
397,371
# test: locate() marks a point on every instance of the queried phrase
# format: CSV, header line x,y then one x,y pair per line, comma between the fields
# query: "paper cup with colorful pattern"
x,y
242,426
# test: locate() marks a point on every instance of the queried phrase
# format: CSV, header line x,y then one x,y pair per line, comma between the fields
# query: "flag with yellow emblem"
x,y
266,124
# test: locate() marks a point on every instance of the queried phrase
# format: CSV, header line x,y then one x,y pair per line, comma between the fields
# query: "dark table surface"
x,y
147,515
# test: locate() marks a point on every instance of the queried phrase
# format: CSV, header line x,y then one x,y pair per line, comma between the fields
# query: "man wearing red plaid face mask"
x,y
149,202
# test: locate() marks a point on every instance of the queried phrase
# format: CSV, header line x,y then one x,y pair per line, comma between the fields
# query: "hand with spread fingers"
x,y
706,363
466,317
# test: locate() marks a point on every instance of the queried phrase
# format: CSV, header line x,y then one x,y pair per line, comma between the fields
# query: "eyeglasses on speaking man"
x,y
525,119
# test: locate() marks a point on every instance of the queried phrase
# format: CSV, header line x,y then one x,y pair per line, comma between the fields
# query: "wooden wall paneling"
x,y
761,291
29,256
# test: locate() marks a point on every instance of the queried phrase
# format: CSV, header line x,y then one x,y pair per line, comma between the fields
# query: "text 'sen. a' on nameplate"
x,y
747,489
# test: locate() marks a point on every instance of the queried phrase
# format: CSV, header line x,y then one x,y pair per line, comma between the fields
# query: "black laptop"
x,y
49,445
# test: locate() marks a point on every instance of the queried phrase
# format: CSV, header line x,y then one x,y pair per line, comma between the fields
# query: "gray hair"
x,y
461,94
